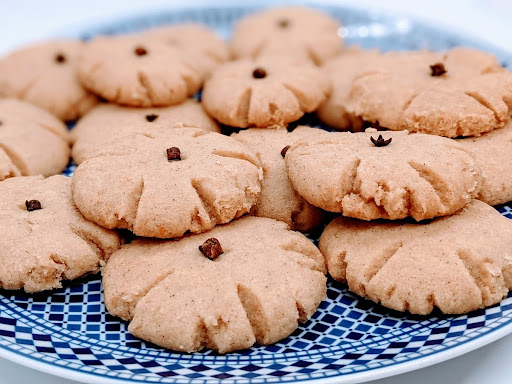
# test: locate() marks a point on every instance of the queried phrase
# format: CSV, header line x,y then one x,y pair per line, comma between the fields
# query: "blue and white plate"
x,y
69,333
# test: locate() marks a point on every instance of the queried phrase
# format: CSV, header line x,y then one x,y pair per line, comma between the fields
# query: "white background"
x,y
23,21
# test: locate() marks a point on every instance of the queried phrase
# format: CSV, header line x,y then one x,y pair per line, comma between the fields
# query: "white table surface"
x,y
23,21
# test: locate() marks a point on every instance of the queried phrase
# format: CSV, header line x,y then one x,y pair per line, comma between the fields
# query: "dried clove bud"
x,y
380,142
140,51
151,118
173,153
60,58
284,150
211,248
283,23
437,69
259,73
33,205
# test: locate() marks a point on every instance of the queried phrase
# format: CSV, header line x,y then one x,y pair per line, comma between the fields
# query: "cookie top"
x,y
208,49
138,71
32,141
164,182
299,32
108,122
44,74
270,91
266,279
462,92
278,199
456,263
44,237
388,175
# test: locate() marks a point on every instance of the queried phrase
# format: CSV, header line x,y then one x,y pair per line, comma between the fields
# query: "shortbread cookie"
x,y
298,32
108,122
208,49
32,141
164,182
44,74
278,199
390,175
493,154
44,238
456,263
270,91
249,281
462,92
137,71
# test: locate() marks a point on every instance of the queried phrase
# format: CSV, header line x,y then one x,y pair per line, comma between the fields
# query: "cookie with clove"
x,y
165,182
388,175
32,141
266,92
108,122
44,74
44,238
418,266
252,280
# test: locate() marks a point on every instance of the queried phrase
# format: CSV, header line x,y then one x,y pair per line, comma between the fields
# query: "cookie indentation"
x,y
211,248
259,73
33,205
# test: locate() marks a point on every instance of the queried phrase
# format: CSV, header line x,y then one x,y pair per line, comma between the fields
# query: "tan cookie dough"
x,y
267,279
457,263
41,247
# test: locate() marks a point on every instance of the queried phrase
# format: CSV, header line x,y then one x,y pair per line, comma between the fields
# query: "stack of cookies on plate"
x,y
215,194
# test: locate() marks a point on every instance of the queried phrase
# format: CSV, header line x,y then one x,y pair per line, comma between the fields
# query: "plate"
x,y
69,333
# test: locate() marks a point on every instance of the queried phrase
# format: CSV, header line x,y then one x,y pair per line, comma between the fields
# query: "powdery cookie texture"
x,y
32,141
138,71
266,280
401,175
456,263
164,182
45,75
44,238
278,199
298,32
461,92
269,91
108,122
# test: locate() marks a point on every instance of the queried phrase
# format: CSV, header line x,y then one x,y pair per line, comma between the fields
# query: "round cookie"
x,y
136,71
107,122
271,91
44,238
389,175
44,74
298,32
278,199
457,263
461,92
32,141
165,182
265,281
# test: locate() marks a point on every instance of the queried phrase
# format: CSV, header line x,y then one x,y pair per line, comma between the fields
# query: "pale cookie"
x,y
108,122
44,238
44,74
32,141
390,175
137,71
270,91
278,199
298,32
456,263
253,281
164,182
462,92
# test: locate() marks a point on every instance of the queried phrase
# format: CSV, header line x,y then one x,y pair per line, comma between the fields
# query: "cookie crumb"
x,y
380,142
284,150
151,118
173,153
438,69
33,205
211,248
259,73
283,23
141,51
60,58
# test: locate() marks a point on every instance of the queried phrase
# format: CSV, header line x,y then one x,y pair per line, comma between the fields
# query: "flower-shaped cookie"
x,y
262,282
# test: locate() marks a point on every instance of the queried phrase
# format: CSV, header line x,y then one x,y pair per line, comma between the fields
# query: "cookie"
x,y
278,199
208,49
270,91
136,71
461,92
32,141
44,74
389,175
299,32
456,263
108,122
249,281
164,182
44,238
